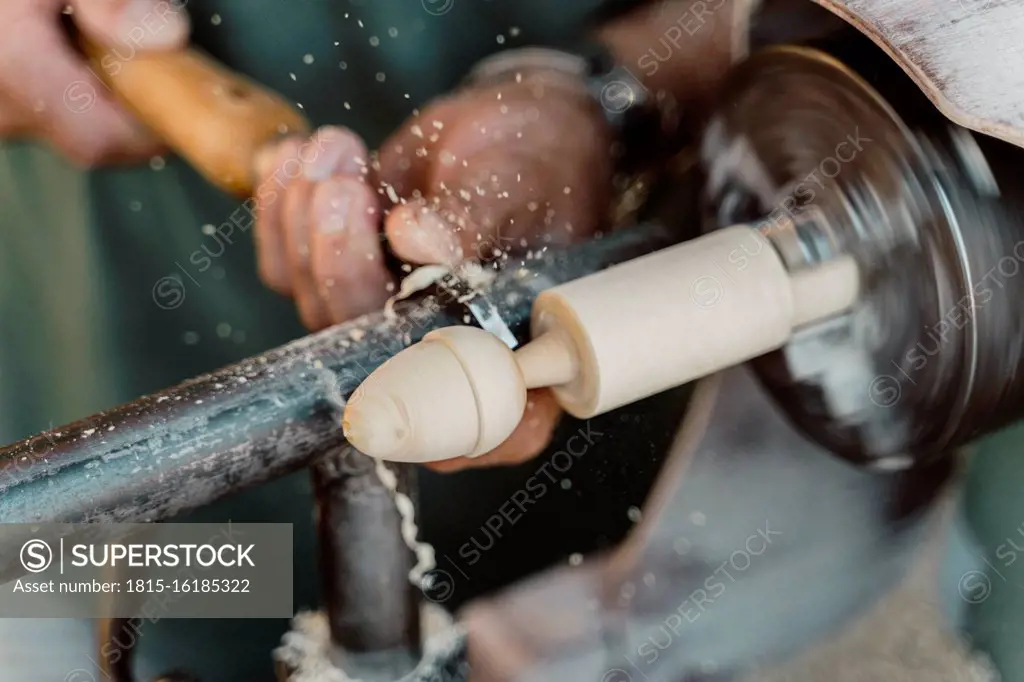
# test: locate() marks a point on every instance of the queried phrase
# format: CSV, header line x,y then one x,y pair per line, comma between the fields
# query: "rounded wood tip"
x,y
457,393
377,426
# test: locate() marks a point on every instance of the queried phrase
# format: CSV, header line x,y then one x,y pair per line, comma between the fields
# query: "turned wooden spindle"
x,y
599,342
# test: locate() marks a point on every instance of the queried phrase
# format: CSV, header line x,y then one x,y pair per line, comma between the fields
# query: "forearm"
x,y
681,48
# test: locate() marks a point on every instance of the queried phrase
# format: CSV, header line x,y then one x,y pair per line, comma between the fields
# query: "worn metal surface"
x,y
372,607
213,435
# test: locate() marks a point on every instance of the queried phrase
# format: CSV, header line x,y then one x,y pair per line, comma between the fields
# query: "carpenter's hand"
x,y
473,176
47,92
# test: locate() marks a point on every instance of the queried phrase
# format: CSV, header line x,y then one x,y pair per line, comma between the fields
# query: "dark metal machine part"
x,y
372,607
928,359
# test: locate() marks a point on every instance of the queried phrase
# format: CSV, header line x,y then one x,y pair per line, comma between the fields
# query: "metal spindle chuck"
x,y
930,357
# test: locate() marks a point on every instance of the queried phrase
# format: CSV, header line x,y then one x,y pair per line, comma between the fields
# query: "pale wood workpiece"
x,y
600,342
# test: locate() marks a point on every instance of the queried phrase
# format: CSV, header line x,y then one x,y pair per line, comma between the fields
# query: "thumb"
x,y
472,215
501,200
133,24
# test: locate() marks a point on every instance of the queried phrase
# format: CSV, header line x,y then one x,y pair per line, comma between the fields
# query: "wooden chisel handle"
x,y
214,118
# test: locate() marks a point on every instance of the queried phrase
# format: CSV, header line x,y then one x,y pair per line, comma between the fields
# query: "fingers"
x,y
133,24
531,437
295,222
60,100
347,258
276,167
317,228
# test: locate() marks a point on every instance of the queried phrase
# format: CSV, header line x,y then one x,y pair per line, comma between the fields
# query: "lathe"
x,y
845,295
